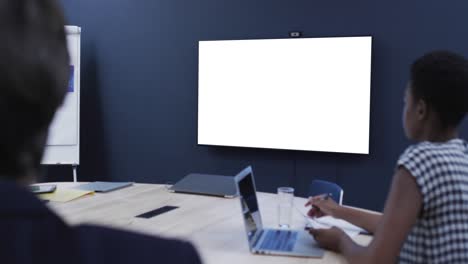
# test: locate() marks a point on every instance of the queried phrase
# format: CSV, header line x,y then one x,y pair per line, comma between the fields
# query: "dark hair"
x,y
34,69
441,79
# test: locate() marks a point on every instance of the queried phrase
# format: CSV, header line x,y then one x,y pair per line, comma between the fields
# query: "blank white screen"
x,y
299,94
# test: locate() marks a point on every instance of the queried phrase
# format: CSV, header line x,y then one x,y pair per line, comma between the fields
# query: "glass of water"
x,y
285,206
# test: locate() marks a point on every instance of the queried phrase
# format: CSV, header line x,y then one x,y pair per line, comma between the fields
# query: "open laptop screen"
x,y
250,211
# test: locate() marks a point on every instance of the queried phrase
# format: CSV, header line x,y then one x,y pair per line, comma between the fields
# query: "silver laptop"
x,y
206,184
261,240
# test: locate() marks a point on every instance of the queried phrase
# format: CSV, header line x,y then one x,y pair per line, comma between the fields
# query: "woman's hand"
x,y
328,238
322,206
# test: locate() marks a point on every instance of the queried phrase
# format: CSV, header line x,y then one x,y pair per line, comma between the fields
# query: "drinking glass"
x,y
285,206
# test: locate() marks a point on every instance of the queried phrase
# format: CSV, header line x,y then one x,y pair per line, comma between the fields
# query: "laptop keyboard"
x,y
279,240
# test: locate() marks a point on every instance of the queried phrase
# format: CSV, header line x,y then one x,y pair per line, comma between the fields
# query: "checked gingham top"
x,y
441,232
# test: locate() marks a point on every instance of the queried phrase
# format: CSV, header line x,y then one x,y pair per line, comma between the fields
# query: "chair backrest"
x,y
318,187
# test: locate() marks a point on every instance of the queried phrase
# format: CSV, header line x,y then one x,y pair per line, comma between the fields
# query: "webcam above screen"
x,y
309,94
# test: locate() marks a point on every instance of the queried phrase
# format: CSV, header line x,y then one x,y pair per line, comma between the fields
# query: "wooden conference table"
x,y
214,225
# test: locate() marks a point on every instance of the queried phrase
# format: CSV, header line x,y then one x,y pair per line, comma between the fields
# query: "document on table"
x,y
329,221
64,195
326,222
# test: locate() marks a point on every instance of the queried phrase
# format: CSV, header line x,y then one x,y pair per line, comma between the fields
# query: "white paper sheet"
x,y
326,222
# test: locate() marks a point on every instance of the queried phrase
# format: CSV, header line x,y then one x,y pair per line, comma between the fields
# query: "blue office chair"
x,y
318,187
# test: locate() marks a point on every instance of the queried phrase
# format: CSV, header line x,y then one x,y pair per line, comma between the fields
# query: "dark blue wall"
x,y
139,85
